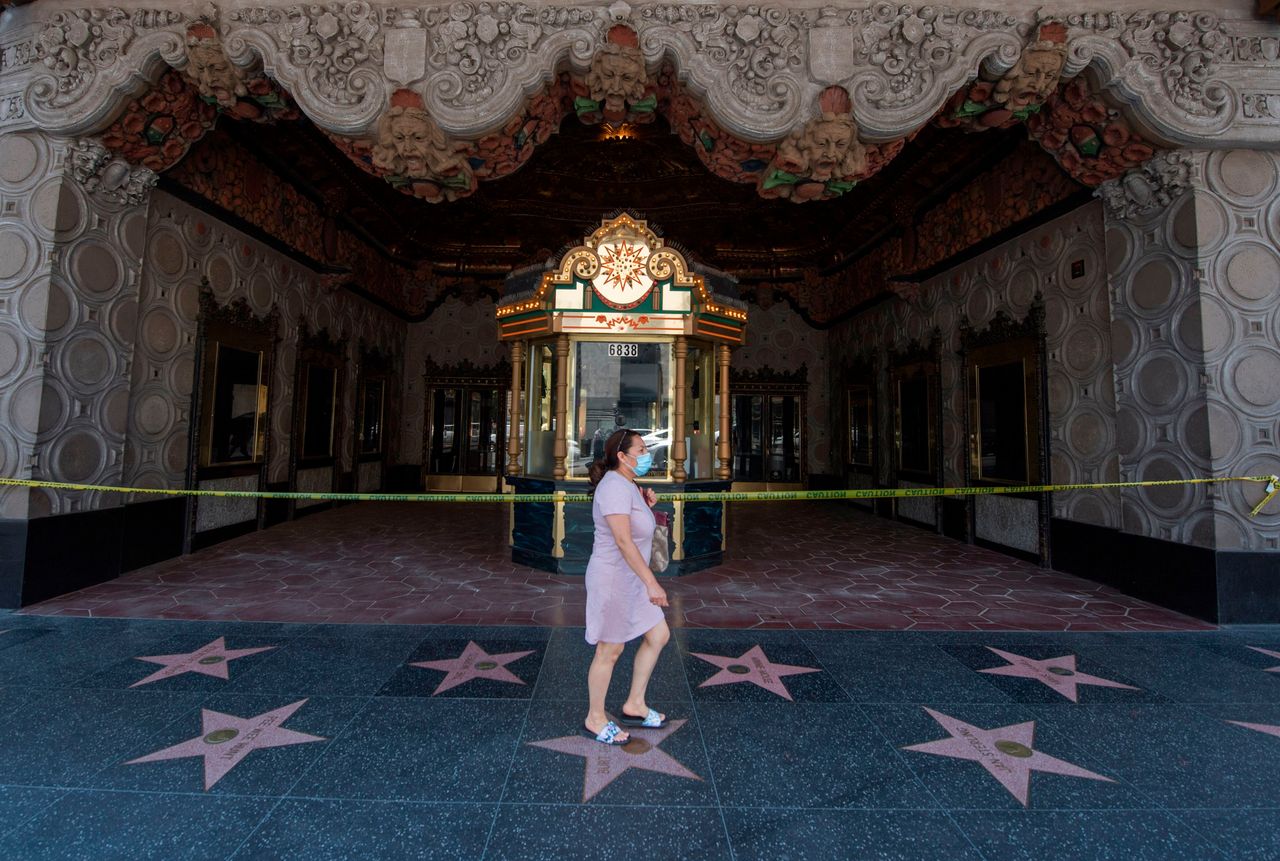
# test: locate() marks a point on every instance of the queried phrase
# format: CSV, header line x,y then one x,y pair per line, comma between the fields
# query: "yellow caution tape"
x,y
1271,482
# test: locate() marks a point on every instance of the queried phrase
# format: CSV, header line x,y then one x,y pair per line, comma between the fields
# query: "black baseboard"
x,y
152,532
275,511
13,561
402,478
955,519
1223,587
67,552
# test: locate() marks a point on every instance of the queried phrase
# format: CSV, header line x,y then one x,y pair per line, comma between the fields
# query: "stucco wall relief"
x,y
760,70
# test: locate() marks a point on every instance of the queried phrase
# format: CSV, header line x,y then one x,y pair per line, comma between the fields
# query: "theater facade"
x,y
307,247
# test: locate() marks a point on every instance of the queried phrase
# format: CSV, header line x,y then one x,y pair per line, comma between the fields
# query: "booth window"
x,y
620,384
318,411
999,422
860,425
372,407
237,410
541,404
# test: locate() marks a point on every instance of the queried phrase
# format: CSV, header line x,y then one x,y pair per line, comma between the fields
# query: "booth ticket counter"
x,y
621,333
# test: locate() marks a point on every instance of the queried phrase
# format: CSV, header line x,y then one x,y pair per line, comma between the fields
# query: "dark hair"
x,y
619,440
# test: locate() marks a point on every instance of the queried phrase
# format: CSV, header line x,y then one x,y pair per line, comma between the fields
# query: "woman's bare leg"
x,y
646,659
598,677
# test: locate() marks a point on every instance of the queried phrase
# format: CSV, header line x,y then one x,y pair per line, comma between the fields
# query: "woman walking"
x,y
624,599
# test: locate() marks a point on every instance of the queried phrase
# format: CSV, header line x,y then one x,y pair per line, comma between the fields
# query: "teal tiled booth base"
x,y
533,537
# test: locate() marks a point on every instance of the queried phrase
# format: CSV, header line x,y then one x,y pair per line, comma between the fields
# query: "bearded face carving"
x,y
410,144
216,78
826,148
1033,78
617,77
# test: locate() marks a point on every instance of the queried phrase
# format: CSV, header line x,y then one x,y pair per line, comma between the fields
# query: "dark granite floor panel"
x,y
415,749
764,834
576,833
20,803
1098,835
328,830
330,745
135,826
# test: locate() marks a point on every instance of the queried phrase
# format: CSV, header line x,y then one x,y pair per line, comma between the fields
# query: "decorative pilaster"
x,y
513,420
723,450
561,406
678,452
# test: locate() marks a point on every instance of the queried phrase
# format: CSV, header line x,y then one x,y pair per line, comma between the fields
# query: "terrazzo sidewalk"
x,y
156,739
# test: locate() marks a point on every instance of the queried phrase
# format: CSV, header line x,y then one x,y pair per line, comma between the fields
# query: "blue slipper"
x,y
608,735
652,720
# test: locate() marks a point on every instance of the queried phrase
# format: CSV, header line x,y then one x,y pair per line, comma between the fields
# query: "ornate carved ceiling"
x,y
839,107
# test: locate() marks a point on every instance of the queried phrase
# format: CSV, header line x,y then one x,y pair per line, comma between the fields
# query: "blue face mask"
x,y
643,464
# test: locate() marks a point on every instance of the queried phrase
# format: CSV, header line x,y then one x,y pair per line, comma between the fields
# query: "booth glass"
x,y
620,384
541,425
701,409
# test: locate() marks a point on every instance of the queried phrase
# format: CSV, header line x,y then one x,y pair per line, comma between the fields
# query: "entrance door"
x,y
466,437
768,433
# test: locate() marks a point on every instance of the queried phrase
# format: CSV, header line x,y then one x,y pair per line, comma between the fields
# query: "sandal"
x,y
608,735
652,720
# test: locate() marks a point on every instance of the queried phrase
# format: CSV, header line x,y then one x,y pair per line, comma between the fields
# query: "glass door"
x,y
467,433
768,438
444,422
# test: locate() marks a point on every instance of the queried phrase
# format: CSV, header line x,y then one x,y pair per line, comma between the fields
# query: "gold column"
x,y
678,453
561,406
725,470
513,435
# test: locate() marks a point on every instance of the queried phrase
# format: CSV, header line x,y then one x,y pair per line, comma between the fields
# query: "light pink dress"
x,y
618,608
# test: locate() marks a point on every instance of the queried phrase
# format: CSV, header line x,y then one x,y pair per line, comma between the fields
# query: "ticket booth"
x,y
621,333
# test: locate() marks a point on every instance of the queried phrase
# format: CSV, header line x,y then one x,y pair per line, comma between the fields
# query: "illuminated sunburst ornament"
x,y
623,281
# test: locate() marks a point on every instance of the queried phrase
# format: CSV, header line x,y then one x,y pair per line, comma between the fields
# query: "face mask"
x,y
643,463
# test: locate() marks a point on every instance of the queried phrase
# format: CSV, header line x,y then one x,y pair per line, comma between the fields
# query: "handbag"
x,y
660,555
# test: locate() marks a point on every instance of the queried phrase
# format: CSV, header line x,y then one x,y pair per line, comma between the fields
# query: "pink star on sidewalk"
x,y
1269,653
225,740
474,663
210,660
752,666
1058,673
1269,729
1007,753
606,763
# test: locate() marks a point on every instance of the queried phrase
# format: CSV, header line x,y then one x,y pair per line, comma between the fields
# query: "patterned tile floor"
x,y
791,565
172,740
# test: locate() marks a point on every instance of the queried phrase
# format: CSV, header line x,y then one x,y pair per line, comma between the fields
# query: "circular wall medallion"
x,y
622,281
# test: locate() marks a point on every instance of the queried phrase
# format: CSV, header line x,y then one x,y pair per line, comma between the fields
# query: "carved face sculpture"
x,y
1033,78
617,76
411,144
825,145
212,73
826,148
